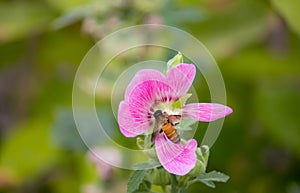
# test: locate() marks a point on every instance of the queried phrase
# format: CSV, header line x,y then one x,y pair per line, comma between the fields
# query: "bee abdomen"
x,y
171,133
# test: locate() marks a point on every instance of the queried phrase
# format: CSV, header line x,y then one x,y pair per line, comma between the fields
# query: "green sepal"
x,y
185,124
181,102
178,59
160,177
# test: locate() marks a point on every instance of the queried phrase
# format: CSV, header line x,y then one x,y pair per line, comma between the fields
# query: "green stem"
x,y
174,184
183,180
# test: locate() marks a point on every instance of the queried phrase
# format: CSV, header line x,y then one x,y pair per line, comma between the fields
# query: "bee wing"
x,y
174,119
156,130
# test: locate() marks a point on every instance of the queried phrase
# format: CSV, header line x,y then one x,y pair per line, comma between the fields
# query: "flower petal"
x,y
128,126
142,76
177,159
145,96
181,78
205,112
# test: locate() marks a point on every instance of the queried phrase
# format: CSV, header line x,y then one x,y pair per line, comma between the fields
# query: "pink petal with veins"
x,y
181,77
142,76
128,126
146,96
177,159
205,112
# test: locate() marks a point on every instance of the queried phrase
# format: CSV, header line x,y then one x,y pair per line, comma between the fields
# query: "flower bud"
x,y
140,143
203,154
198,169
160,177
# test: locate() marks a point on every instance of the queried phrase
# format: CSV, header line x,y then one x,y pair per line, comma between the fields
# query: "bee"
x,y
165,123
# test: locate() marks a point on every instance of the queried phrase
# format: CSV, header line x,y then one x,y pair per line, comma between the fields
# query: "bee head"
x,y
157,114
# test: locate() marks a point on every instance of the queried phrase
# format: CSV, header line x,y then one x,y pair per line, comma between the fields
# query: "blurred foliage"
x,y
289,10
256,44
18,19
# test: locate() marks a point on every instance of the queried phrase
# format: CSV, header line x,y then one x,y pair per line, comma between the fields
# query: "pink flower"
x,y
149,91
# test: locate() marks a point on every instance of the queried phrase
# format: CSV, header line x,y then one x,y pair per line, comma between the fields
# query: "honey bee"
x,y
165,123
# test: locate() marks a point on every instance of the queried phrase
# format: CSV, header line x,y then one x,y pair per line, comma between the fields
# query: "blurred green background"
x,y
257,47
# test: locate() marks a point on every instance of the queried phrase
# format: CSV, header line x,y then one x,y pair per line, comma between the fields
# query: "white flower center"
x,y
168,108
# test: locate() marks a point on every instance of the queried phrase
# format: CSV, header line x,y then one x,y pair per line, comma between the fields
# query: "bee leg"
x,y
161,131
153,137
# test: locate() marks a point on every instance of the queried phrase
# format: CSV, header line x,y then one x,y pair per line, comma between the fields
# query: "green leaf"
x,y
289,9
213,176
147,165
144,187
135,179
209,184
209,178
181,102
174,61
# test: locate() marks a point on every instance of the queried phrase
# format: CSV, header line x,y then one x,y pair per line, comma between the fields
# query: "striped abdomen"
x,y
171,133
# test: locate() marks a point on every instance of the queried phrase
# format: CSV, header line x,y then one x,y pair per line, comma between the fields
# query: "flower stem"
x,y
174,184
183,180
